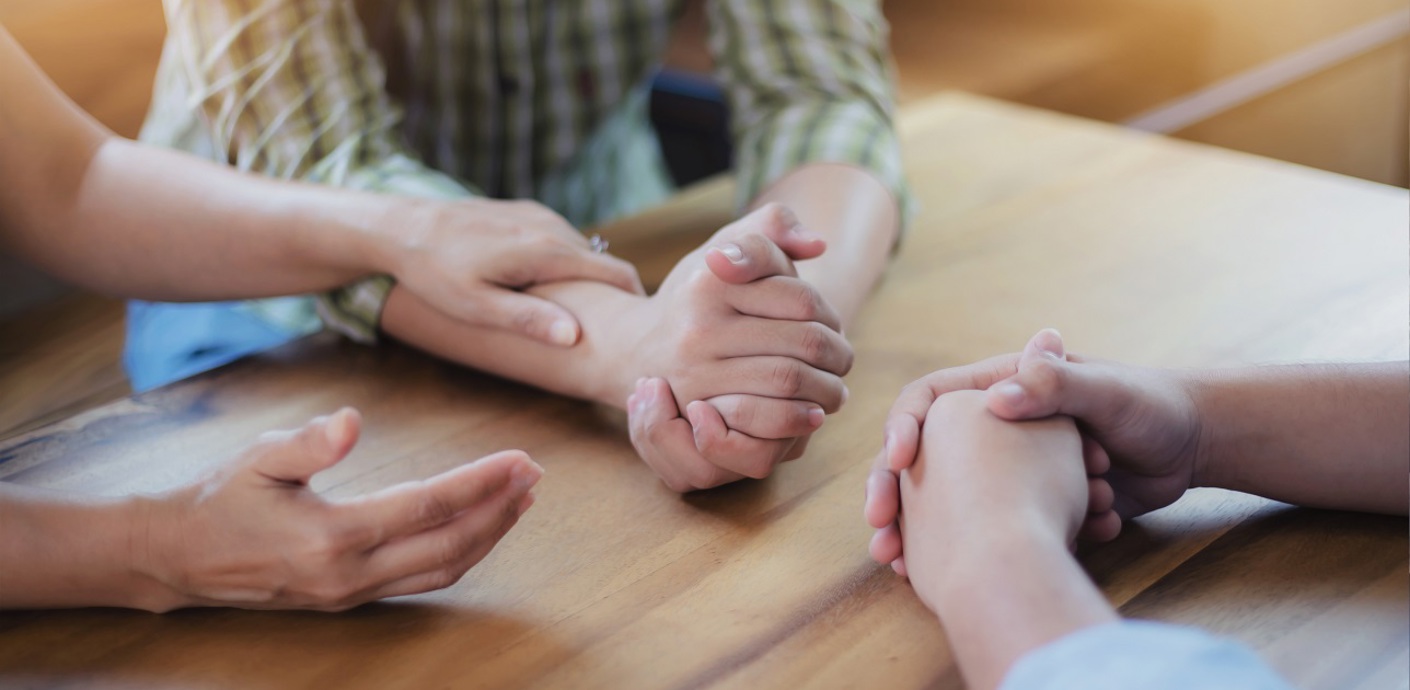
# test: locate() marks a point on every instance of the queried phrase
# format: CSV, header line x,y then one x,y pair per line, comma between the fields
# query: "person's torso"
x,y
502,92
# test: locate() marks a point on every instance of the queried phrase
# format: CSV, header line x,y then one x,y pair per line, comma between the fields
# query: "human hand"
x,y
978,480
471,259
253,535
1141,430
778,336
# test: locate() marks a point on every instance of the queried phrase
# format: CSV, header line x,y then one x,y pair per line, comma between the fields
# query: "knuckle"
x,y
432,510
807,303
816,344
528,320
745,413
787,378
444,577
1046,373
449,551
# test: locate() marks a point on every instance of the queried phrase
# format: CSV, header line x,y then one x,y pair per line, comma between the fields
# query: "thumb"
x,y
778,223
295,456
530,316
784,228
1011,398
1046,385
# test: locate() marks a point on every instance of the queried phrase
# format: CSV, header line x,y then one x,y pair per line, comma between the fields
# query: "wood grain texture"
x,y
1138,247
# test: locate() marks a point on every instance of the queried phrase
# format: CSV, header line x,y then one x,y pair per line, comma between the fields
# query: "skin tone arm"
x,y
1010,586
1325,436
763,341
122,218
253,535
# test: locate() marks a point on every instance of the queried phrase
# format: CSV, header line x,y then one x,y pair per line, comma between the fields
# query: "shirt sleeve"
x,y
807,81
292,90
1150,656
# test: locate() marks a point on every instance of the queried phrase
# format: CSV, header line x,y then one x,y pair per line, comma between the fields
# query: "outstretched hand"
x,y
254,535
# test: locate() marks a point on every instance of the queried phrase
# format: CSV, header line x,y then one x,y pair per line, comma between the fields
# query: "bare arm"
x,y
1325,436
118,217
125,219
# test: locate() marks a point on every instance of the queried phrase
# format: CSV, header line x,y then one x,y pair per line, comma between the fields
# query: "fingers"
x,y
530,316
1046,386
414,507
580,263
731,450
666,441
1094,457
1100,527
1100,496
748,258
782,298
295,456
438,557
806,341
779,224
885,546
774,377
883,501
767,418
907,414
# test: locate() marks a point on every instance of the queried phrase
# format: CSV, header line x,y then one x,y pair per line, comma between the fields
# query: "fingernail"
x,y
816,416
526,475
845,394
733,252
563,332
633,405
1052,345
890,441
1010,392
526,502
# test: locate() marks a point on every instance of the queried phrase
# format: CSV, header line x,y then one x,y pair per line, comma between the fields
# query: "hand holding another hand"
x,y
752,354
471,259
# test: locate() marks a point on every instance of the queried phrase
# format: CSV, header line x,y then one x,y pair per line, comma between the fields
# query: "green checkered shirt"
x,y
535,99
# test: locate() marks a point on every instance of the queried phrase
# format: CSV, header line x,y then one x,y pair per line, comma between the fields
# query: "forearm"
x,y
1016,591
62,551
597,368
154,224
857,216
1324,436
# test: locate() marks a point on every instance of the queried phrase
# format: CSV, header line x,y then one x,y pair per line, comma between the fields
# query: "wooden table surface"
x,y
1136,247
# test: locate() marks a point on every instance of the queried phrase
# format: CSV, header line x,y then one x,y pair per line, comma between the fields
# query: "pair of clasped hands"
x,y
751,359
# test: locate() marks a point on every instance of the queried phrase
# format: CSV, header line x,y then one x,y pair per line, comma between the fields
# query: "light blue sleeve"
x,y
1150,656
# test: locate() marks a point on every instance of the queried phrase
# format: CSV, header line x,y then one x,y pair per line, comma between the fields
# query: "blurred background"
x,y
1321,83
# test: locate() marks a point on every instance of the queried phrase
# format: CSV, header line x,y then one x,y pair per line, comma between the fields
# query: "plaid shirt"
x,y
449,98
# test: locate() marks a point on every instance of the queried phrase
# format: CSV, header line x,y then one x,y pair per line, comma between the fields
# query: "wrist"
x,y
1203,440
620,323
151,544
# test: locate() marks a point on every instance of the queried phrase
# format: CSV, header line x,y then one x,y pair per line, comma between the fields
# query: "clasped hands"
x,y
742,359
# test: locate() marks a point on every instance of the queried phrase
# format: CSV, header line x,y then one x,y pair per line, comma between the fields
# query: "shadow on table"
x,y
224,648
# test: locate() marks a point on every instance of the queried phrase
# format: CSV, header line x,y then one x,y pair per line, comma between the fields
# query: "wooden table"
x,y
1137,247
